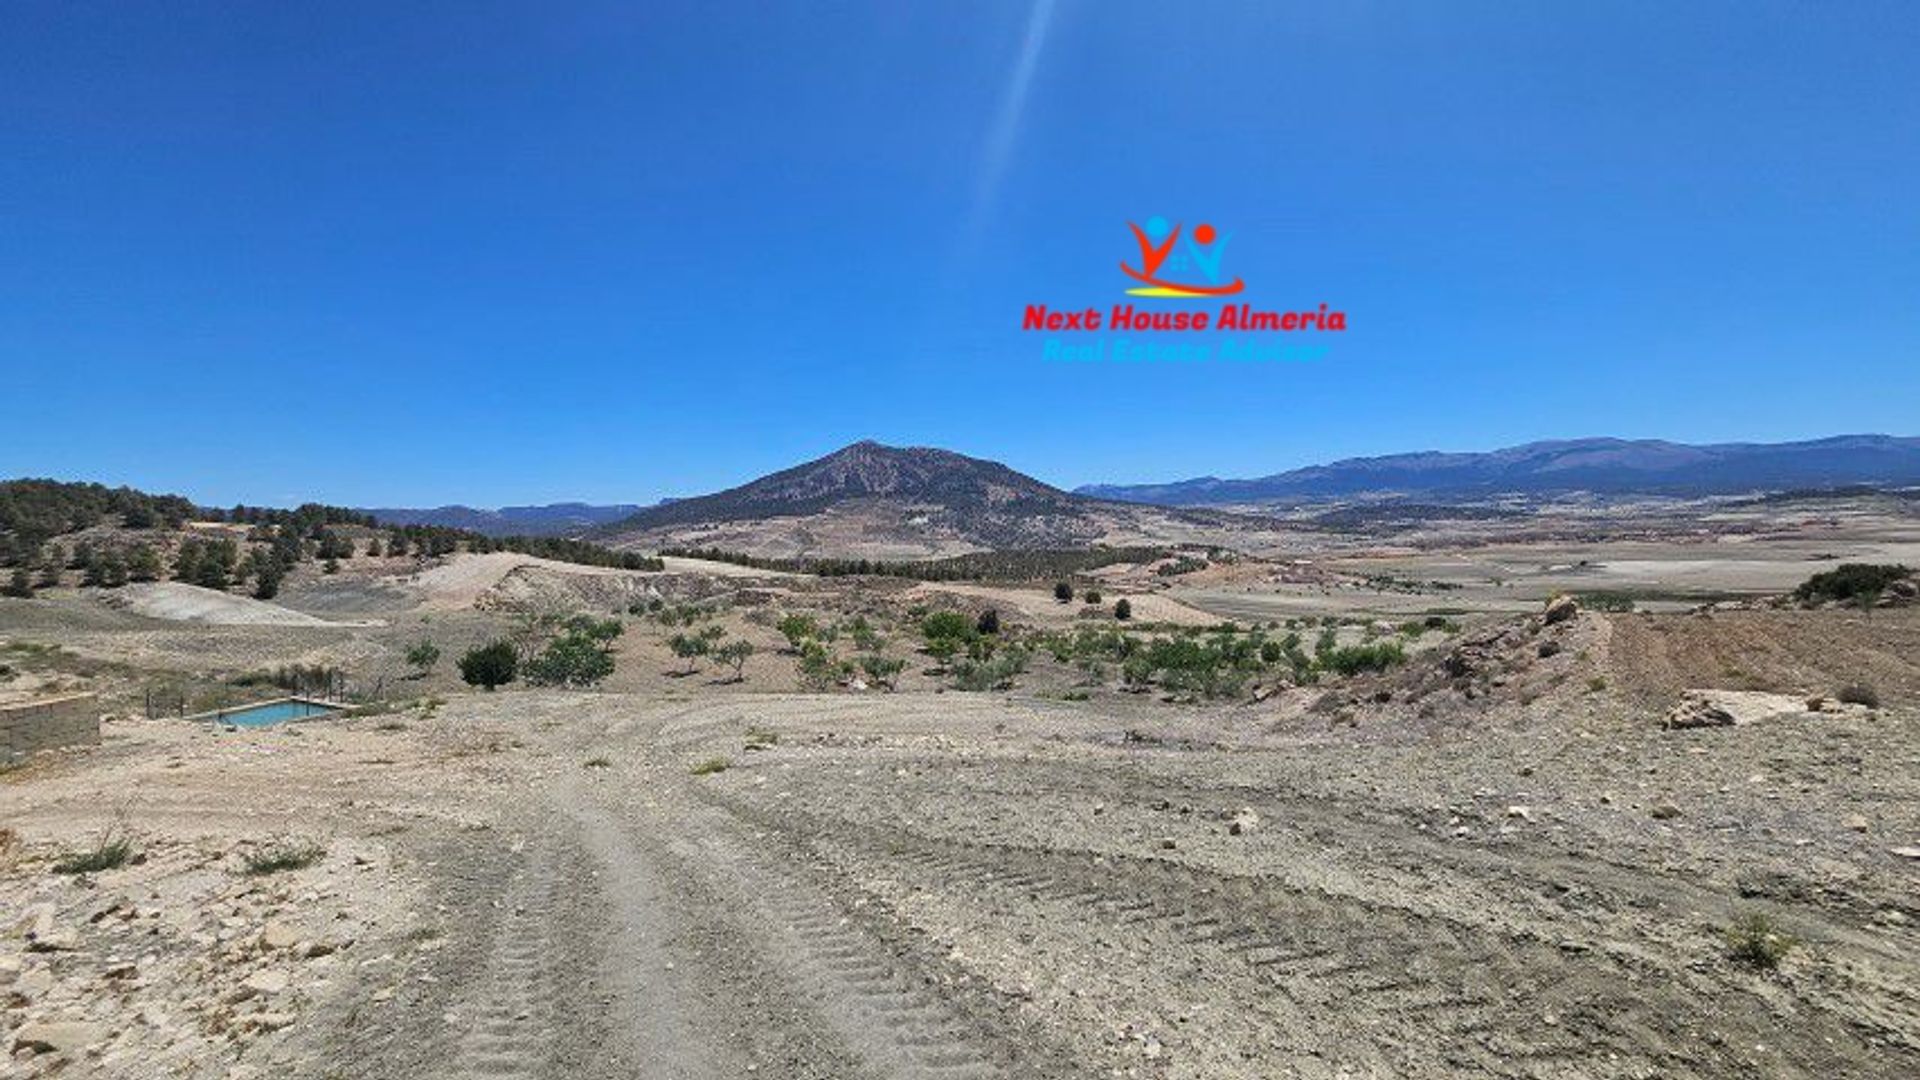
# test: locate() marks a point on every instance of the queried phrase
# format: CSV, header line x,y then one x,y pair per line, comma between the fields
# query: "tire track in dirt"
x,y
1394,991
508,1025
898,1019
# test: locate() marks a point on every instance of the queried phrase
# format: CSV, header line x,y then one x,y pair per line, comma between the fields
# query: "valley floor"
x,y
580,885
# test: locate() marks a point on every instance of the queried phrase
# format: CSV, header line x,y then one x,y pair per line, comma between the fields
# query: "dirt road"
x,y
973,886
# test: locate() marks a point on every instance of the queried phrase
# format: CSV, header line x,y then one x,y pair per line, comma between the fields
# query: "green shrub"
x,y
883,670
818,668
1354,659
797,629
575,660
490,665
1604,600
1753,940
690,647
996,673
1851,581
947,624
710,766
282,856
422,656
596,630
112,852
735,654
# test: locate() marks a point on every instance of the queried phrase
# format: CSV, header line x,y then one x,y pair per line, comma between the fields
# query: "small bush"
x,y
1122,609
422,656
1851,581
490,665
735,654
1753,940
996,673
1859,694
285,856
947,624
710,766
597,763
1353,659
112,852
797,629
882,670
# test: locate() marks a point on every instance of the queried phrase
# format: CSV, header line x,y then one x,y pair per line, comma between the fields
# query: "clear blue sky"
x,y
499,253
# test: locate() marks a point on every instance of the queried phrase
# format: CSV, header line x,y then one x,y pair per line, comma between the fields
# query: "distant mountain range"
x,y
904,502
881,501
1599,466
554,519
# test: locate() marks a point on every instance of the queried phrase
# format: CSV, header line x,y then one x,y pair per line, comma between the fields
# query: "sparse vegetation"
x,y
991,673
734,654
111,852
320,680
691,647
1754,940
1123,609
1354,659
798,630
280,857
1185,564
882,670
421,657
1009,565
710,766
1605,600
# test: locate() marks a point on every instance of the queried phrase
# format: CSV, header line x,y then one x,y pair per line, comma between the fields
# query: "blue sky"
x,y
507,253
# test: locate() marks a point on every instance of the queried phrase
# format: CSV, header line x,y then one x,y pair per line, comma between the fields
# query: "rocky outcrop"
x,y
1696,713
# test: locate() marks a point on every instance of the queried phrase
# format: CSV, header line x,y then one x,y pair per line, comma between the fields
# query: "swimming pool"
x,y
270,712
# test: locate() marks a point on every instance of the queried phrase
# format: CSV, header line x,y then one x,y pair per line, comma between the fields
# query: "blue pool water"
x,y
274,712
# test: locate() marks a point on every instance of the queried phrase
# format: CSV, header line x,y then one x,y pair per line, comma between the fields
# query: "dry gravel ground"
x,y
944,885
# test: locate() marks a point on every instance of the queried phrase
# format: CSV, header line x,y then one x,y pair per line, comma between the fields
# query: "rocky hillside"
x,y
916,475
873,501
